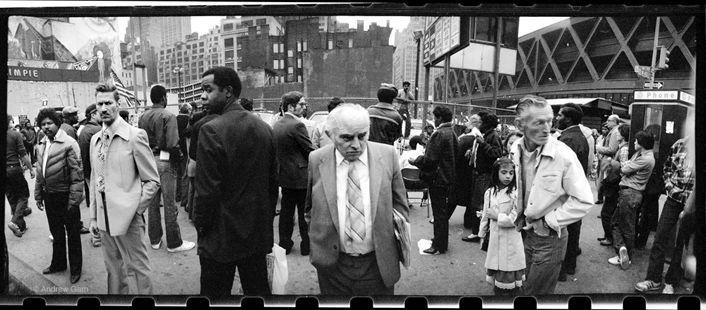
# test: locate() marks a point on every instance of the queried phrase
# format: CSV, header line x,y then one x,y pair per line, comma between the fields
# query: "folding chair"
x,y
413,183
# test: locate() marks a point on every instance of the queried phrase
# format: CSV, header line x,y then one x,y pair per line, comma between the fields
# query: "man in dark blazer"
x,y
293,148
353,187
569,117
236,190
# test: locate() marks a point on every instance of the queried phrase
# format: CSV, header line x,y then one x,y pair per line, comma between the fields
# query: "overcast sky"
x,y
202,24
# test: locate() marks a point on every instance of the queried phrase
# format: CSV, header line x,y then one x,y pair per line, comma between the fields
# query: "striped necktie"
x,y
355,221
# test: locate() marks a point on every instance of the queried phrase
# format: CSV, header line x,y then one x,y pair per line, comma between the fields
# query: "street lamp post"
x,y
178,71
417,37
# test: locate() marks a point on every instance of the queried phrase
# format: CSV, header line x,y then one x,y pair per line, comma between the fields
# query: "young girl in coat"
x,y
505,260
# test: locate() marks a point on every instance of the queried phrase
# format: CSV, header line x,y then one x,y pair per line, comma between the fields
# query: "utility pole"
x,y
654,54
134,68
496,62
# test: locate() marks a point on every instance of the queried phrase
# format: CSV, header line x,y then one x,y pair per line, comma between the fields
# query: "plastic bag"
x,y
277,271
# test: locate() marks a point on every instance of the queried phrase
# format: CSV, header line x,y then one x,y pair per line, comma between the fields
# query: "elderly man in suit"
x,y
293,148
236,190
354,185
123,181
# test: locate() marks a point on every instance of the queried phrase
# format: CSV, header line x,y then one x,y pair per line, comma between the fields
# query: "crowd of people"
x,y
525,192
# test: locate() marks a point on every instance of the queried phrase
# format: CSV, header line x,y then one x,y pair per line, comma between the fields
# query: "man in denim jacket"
x,y
553,192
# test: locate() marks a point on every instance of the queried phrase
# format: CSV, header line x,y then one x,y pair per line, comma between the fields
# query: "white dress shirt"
x,y
350,246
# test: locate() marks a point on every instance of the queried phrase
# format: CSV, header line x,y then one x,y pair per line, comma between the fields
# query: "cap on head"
x,y
69,110
90,109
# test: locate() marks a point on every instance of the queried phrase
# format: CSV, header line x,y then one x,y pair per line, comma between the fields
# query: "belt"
x,y
626,187
358,255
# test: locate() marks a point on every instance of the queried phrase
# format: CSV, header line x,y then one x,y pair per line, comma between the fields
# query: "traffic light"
x,y
663,58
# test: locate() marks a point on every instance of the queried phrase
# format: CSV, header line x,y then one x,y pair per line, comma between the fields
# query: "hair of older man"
x,y
106,87
48,113
614,117
291,98
529,101
345,113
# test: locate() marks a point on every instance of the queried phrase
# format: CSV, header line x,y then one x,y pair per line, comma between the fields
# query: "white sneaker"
x,y
185,246
156,246
614,260
668,289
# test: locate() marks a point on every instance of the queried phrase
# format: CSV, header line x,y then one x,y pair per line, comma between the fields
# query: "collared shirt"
x,y
161,128
349,246
529,169
636,171
679,172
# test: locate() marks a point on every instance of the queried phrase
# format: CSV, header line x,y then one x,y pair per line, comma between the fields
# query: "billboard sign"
x,y
440,37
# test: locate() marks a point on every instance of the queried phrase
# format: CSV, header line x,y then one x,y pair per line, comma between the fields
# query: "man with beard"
x,y
568,121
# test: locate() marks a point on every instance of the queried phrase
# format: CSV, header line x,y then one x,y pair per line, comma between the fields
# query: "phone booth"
x,y
661,113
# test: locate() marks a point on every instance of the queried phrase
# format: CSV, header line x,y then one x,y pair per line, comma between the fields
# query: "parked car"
x,y
318,116
269,117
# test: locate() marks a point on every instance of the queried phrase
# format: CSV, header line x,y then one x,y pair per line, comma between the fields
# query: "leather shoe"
x,y
75,278
83,230
434,251
607,242
562,277
305,252
50,270
600,239
473,239
598,202
571,271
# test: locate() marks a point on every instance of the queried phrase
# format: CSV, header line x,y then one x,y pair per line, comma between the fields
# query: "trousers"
x,y
440,209
293,199
64,223
17,193
353,276
217,277
664,239
543,256
167,180
624,219
572,246
127,254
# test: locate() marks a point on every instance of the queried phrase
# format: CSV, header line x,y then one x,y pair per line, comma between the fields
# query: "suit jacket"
x,y
293,148
131,177
387,191
236,186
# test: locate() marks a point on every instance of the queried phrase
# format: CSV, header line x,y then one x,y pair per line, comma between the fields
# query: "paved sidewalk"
x,y
458,272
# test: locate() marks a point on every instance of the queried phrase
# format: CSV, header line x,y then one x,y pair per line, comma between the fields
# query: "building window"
x,y
261,21
275,48
299,63
281,47
290,53
290,70
350,43
201,50
299,46
240,58
330,45
201,44
299,78
228,27
281,63
229,55
240,46
305,46
228,43
276,64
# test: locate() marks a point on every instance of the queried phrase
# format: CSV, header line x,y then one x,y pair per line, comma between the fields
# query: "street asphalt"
x,y
459,272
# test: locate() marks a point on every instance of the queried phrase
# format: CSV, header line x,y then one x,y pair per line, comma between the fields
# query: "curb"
x,y
22,274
